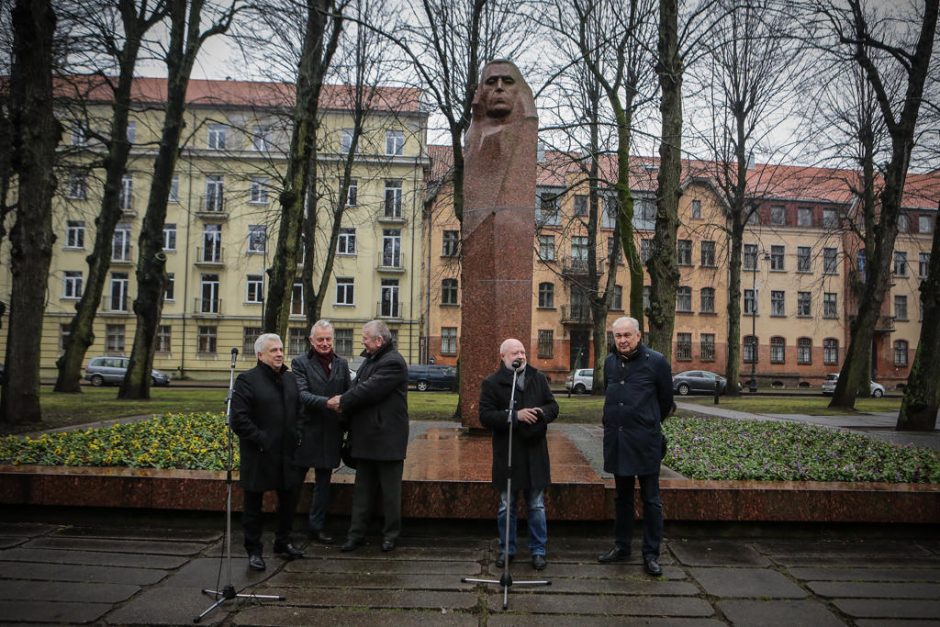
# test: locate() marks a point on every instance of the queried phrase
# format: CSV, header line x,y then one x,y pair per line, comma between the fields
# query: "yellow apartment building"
x,y
222,221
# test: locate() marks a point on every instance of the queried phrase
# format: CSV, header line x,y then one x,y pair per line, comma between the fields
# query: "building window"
x,y
684,299
923,265
778,216
257,238
547,212
750,302
776,258
900,307
345,291
169,288
75,234
708,254
646,298
345,140
645,249
169,237
64,334
547,247
164,336
126,195
778,350
117,298
78,189
214,200
579,252
343,342
121,243
900,353
394,142
830,261
804,216
707,297
804,304
297,299
830,351
216,138
114,339
616,303
392,205
211,244
830,305
174,189
925,224
861,264
803,262
297,343
580,205
546,343
206,338
830,219
255,289
209,302
73,284
346,243
778,303
261,138
249,335
707,347
804,351
258,190
644,214
451,244
448,340
449,292
684,252
388,305
352,193
546,295
696,209
750,257
78,133
683,346
903,223
900,263
391,248
749,349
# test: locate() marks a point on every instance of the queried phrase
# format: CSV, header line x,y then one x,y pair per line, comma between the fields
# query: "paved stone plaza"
x,y
136,568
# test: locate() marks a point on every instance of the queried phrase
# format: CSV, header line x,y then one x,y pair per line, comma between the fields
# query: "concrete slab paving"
x,y
779,613
99,558
205,572
746,583
544,601
168,605
368,581
390,566
716,553
141,532
850,589
65,591
29,529
117,545
10,541
52,612
890,608
73,572
389,598
522,620
881,622
865,574
276,615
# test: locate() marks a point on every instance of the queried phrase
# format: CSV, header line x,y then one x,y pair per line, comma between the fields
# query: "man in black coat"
x,y
264,408
638,397
533,408
321,374
377,408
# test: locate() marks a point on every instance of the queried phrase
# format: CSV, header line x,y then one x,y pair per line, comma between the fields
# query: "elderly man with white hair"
x,y
265,403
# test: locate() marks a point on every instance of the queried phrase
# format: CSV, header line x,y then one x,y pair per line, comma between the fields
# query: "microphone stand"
x,y
505,580
228,590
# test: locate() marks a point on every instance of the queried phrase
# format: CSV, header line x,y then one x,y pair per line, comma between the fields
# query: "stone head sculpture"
x,y
502,96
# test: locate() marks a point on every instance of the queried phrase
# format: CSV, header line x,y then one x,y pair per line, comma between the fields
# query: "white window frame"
x,y
254,289
258,190
169,237
345,292
394,143
257,239
75,234
73,284
216,137
346,242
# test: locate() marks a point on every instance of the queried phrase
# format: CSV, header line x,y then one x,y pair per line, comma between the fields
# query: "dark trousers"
x,y
251,519
652,513
374,477
316,520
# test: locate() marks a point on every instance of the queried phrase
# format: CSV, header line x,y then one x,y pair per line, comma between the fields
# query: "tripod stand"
x,y
505,580
228,590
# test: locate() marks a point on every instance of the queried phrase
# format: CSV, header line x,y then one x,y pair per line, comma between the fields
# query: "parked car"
x,y
102,370
829,386
580,381
698,382
430,376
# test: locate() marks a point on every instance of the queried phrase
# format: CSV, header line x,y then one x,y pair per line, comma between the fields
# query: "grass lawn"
x,y
810,405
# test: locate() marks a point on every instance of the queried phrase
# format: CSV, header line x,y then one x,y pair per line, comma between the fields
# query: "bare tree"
x,y
35,135
186,38
117,33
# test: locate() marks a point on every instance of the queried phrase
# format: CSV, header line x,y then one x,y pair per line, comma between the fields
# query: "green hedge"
x,y
699,448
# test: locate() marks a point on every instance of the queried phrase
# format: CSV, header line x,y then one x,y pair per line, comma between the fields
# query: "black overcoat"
x,y
264,416
638,398
377,407
321,428
530,463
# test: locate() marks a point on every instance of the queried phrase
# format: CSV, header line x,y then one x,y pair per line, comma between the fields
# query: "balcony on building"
x,y
389,310
575,314
394,264
116,306
391,213
574,267
128,205
122,256
207,307
212,207
210,256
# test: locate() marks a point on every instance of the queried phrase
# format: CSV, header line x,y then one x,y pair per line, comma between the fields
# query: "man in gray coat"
x,y
638,397
377,408
321,373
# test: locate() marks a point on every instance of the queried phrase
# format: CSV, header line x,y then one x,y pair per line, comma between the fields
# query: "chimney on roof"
x,y
540,152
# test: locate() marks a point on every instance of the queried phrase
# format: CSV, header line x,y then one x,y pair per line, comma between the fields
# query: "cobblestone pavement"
x,y
133,568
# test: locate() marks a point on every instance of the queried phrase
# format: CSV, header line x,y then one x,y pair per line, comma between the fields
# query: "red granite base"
x,y
447,476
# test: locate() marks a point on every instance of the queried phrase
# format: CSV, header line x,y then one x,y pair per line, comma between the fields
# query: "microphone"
x,y
234,356
517,364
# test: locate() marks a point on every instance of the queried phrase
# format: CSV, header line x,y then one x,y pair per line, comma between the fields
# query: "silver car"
x,y
102,370
829,386
580,381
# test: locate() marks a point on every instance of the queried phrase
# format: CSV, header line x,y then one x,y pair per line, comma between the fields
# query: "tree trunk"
x,y
662,266
36,134
733,364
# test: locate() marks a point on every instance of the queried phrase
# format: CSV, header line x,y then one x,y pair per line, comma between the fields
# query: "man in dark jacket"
x,y
638,398
321,374
264,416
377,408
533,408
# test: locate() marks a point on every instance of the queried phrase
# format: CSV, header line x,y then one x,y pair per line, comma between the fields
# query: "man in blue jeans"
x,y
638,397
533,408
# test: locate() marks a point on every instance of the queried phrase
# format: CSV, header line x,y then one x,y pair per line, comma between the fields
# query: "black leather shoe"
x,y
501,560
538,562
651,565
322,537
388,545
616,554
350,545
289,550
256,562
